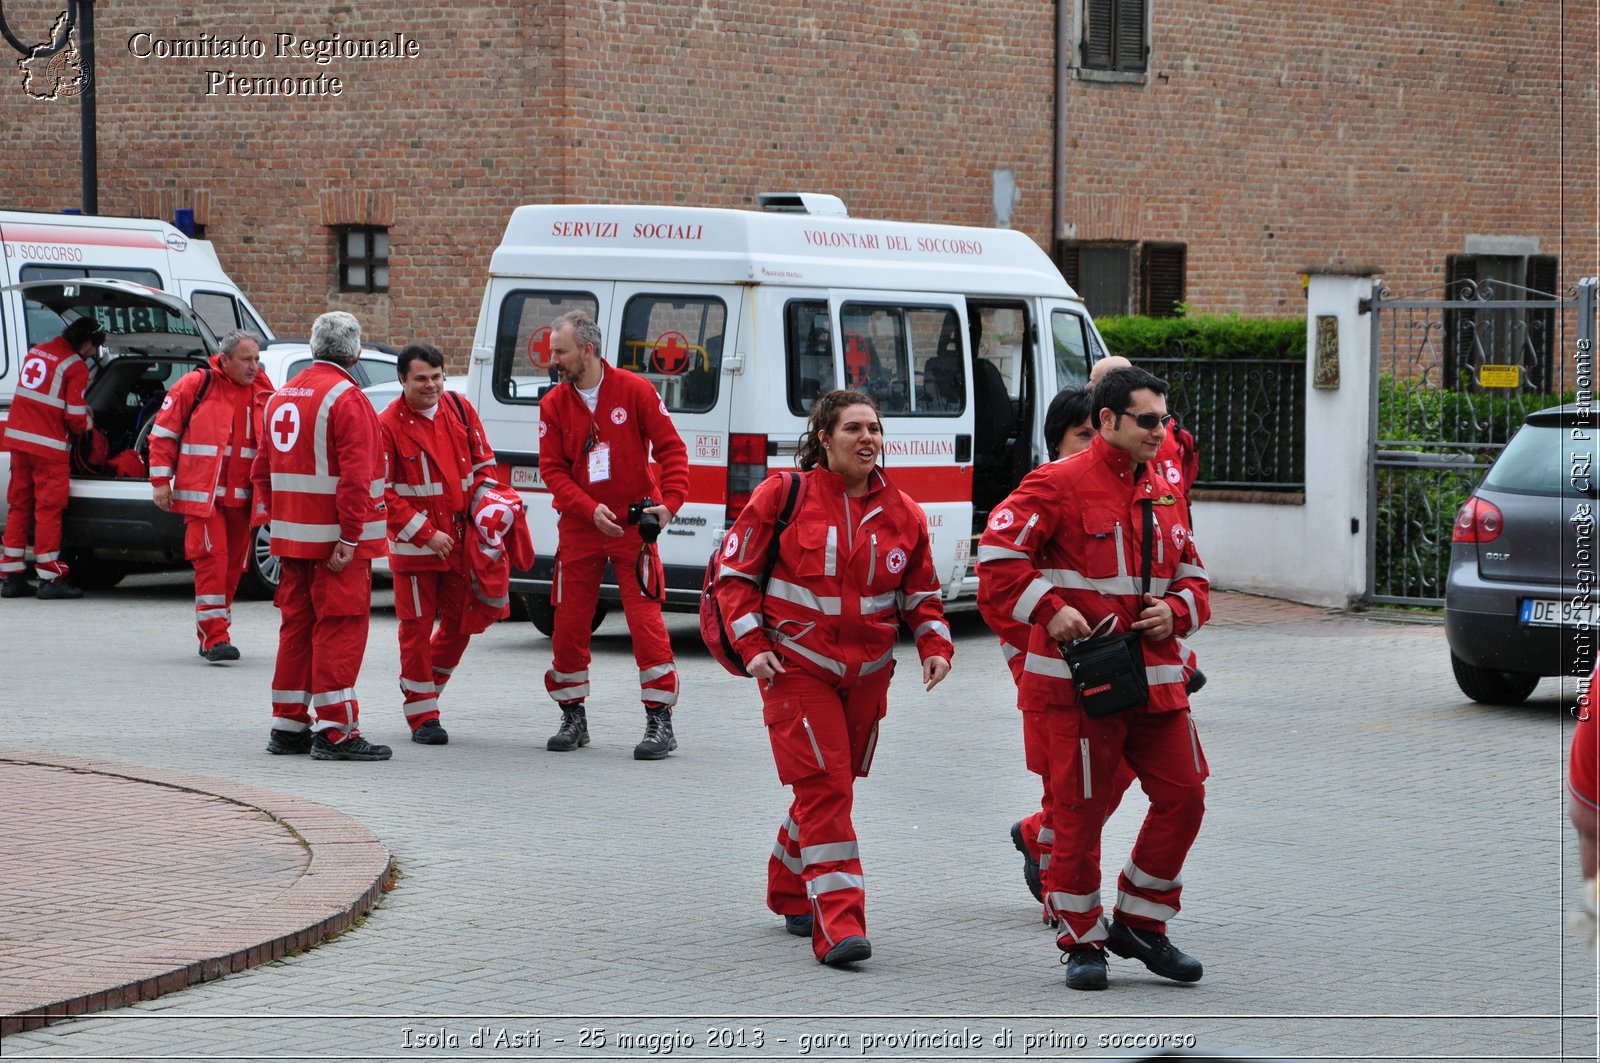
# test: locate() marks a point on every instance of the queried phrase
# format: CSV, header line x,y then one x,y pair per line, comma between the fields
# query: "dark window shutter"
x,y
1130,35
1543,276
1162,268
1098,33
1067,260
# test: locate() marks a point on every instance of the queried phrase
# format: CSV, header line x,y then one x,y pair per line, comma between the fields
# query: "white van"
x,y
111,524
742,318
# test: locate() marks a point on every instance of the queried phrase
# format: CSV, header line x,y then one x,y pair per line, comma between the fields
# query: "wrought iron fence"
x,y
1248,415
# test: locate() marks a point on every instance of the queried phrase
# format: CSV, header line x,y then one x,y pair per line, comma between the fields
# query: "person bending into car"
x,y
46,413
852,565
319,482
202,446
437,458
599,431
1063,553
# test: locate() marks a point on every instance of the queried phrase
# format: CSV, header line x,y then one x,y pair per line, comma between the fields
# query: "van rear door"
x,y
909,351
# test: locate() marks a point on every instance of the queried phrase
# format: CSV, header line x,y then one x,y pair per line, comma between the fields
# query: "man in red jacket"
x,y
201,449
1064,553
598,431
47,411
319,481
437,457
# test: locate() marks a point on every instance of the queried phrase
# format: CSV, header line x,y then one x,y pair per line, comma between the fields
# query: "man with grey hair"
x,y
319,482
202,445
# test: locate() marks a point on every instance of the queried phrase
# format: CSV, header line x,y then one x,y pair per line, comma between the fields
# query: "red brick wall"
x,y
1266,138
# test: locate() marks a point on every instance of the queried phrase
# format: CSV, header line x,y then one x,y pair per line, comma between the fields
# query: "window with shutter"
x,y
1113,35
1161,272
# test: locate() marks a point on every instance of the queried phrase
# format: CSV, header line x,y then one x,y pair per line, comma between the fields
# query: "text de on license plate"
x,y
1553,612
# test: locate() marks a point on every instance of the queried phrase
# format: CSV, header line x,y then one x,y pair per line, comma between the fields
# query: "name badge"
x,y
600,463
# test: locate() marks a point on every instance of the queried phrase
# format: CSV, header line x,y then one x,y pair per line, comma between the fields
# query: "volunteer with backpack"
x,y
816,626
202,445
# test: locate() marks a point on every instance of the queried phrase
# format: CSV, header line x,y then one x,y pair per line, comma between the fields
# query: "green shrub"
x,y
1204,336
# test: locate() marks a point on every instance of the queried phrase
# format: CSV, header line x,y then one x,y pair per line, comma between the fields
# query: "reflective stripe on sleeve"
x,y
792,592
1022,612
938,627
746,624
831,853
161,432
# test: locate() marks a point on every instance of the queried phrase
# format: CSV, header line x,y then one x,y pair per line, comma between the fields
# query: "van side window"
x,y
217,310
522,341
675,342
900,355
808,351
1072,343
42,325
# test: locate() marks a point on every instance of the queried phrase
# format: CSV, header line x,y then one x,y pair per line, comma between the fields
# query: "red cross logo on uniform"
x,y
539,348
670,355
857,357
34,371
285,427
494,522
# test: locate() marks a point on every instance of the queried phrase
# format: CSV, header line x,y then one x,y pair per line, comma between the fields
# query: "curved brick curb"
x,y
344,872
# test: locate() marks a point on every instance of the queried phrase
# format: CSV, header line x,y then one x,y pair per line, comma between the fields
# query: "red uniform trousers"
x,y
216,546
580,562
823,738
428,655
1163,748
322,637
37,497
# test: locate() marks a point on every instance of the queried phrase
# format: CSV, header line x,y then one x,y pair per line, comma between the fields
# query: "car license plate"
x,y
526,477
1553,612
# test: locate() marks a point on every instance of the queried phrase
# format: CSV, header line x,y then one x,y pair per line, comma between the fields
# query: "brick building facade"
x,y
1242,143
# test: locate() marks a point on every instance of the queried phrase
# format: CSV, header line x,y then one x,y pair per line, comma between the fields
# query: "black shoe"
x,y
353,748
850,950
574,731
288,742
16,585
1030,866
429,733
57,589
222,651
798,925
658,740
1086,968
1155,951
1195,683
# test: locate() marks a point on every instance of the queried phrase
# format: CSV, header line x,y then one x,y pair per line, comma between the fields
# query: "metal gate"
x,y
1453,377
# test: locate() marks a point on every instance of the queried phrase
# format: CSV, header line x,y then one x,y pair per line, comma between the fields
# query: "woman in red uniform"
x,y
851,565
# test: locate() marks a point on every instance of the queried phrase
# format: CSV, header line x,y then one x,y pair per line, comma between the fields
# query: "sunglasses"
x,y
1148,421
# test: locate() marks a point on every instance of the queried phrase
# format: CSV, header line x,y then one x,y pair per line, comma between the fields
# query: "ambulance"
x,y
741,318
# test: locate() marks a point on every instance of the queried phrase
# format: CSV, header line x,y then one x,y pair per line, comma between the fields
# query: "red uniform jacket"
x,y
434,468
848,571
48,409
208,463
319,474
632,419
1072,534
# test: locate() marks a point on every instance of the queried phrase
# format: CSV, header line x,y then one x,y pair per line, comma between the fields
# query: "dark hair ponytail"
x,y
824,418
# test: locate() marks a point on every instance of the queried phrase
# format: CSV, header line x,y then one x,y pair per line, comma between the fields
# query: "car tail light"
x,y
747,467
1477,522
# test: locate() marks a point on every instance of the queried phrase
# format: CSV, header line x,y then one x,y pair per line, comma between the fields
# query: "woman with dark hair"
x,y
1069,423
819,638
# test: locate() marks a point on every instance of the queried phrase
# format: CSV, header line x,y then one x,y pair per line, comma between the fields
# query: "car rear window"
x,y
1533,462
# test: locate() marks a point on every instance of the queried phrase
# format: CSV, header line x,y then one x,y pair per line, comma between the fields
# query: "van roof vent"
x,y
802,203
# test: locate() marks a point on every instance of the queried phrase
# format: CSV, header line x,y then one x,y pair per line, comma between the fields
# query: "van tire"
x,y
542,612
93,574
261,570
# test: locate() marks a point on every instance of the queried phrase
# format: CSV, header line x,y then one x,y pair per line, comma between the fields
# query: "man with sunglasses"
x,y
604,439
1064,554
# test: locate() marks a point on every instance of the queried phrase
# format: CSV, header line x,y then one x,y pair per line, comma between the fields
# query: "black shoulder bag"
x,y
1108,670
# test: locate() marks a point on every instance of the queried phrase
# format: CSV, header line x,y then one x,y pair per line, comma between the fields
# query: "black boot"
x,y
16,585
574,730
658,740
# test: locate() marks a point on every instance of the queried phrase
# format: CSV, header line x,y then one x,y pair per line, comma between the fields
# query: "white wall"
x,y
1308,553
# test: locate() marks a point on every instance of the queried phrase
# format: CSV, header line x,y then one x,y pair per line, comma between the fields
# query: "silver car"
x,y
1520,596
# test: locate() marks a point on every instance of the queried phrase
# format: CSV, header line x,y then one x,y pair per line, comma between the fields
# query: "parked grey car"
x,y
1520,597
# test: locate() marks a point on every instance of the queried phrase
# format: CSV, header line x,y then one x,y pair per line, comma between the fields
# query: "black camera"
x,y
649,524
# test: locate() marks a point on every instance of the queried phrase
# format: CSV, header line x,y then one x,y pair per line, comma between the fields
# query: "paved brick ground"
x,y
1382,872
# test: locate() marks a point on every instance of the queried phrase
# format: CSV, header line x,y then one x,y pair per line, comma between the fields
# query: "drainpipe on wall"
x,y
1058,176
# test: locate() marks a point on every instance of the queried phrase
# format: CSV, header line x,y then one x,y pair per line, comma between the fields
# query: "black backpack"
x,y
713,627
142,445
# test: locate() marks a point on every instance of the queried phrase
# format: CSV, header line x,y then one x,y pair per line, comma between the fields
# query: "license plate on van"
x,y
1552,612
526,477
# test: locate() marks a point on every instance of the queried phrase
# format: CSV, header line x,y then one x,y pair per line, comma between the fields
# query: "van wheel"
x,y
542,612
1488,686
95,575
262,571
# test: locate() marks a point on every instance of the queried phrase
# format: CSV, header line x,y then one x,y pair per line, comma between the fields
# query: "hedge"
x,y
1204,336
